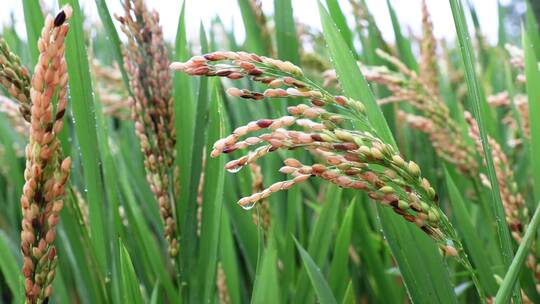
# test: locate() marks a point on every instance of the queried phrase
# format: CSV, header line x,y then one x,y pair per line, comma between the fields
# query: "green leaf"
x,y
266,284
474,245
287,41
75,249
141,232
189,239
502,23
532,29
339,272
184,123
341,22
385,290
82,105
511,277
403,44
112,37
255,40
323,291
349,295
130,284
34,20
415,253
473,85
533,91
229,260
320,240
351,79
9,267
212,200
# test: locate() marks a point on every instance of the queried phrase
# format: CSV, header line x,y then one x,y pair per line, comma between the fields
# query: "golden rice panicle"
x,y
15,78
46,172
147,65
348,158
428,49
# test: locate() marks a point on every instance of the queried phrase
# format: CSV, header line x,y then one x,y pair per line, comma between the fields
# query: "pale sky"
x,y
306,11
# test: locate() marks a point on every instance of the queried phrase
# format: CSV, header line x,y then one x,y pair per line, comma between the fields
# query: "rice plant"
x,y
295,166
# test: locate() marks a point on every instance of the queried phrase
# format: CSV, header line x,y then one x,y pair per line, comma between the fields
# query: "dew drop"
x,y
235,169
248,206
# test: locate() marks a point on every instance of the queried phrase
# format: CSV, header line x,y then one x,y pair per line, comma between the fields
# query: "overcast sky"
x,y
408,12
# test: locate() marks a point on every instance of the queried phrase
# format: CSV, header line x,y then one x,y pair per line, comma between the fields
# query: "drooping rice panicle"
x,y
146,62
15,78
515,207
356,159
428,53
514,204
406,85
47,170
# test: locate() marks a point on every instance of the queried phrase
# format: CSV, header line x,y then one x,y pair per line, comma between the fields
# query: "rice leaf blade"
x,y
212,200
34,20
469,234
82,97
532,75
10,270
323,291
512,275
473,85
412,250
131,291
287,42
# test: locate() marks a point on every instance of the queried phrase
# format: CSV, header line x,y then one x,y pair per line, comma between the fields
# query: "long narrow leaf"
x,y
511,277
467,56
323,291
82,103
416,255
533,91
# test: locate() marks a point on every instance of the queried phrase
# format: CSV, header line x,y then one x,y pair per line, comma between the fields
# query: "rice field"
x,y
296,165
